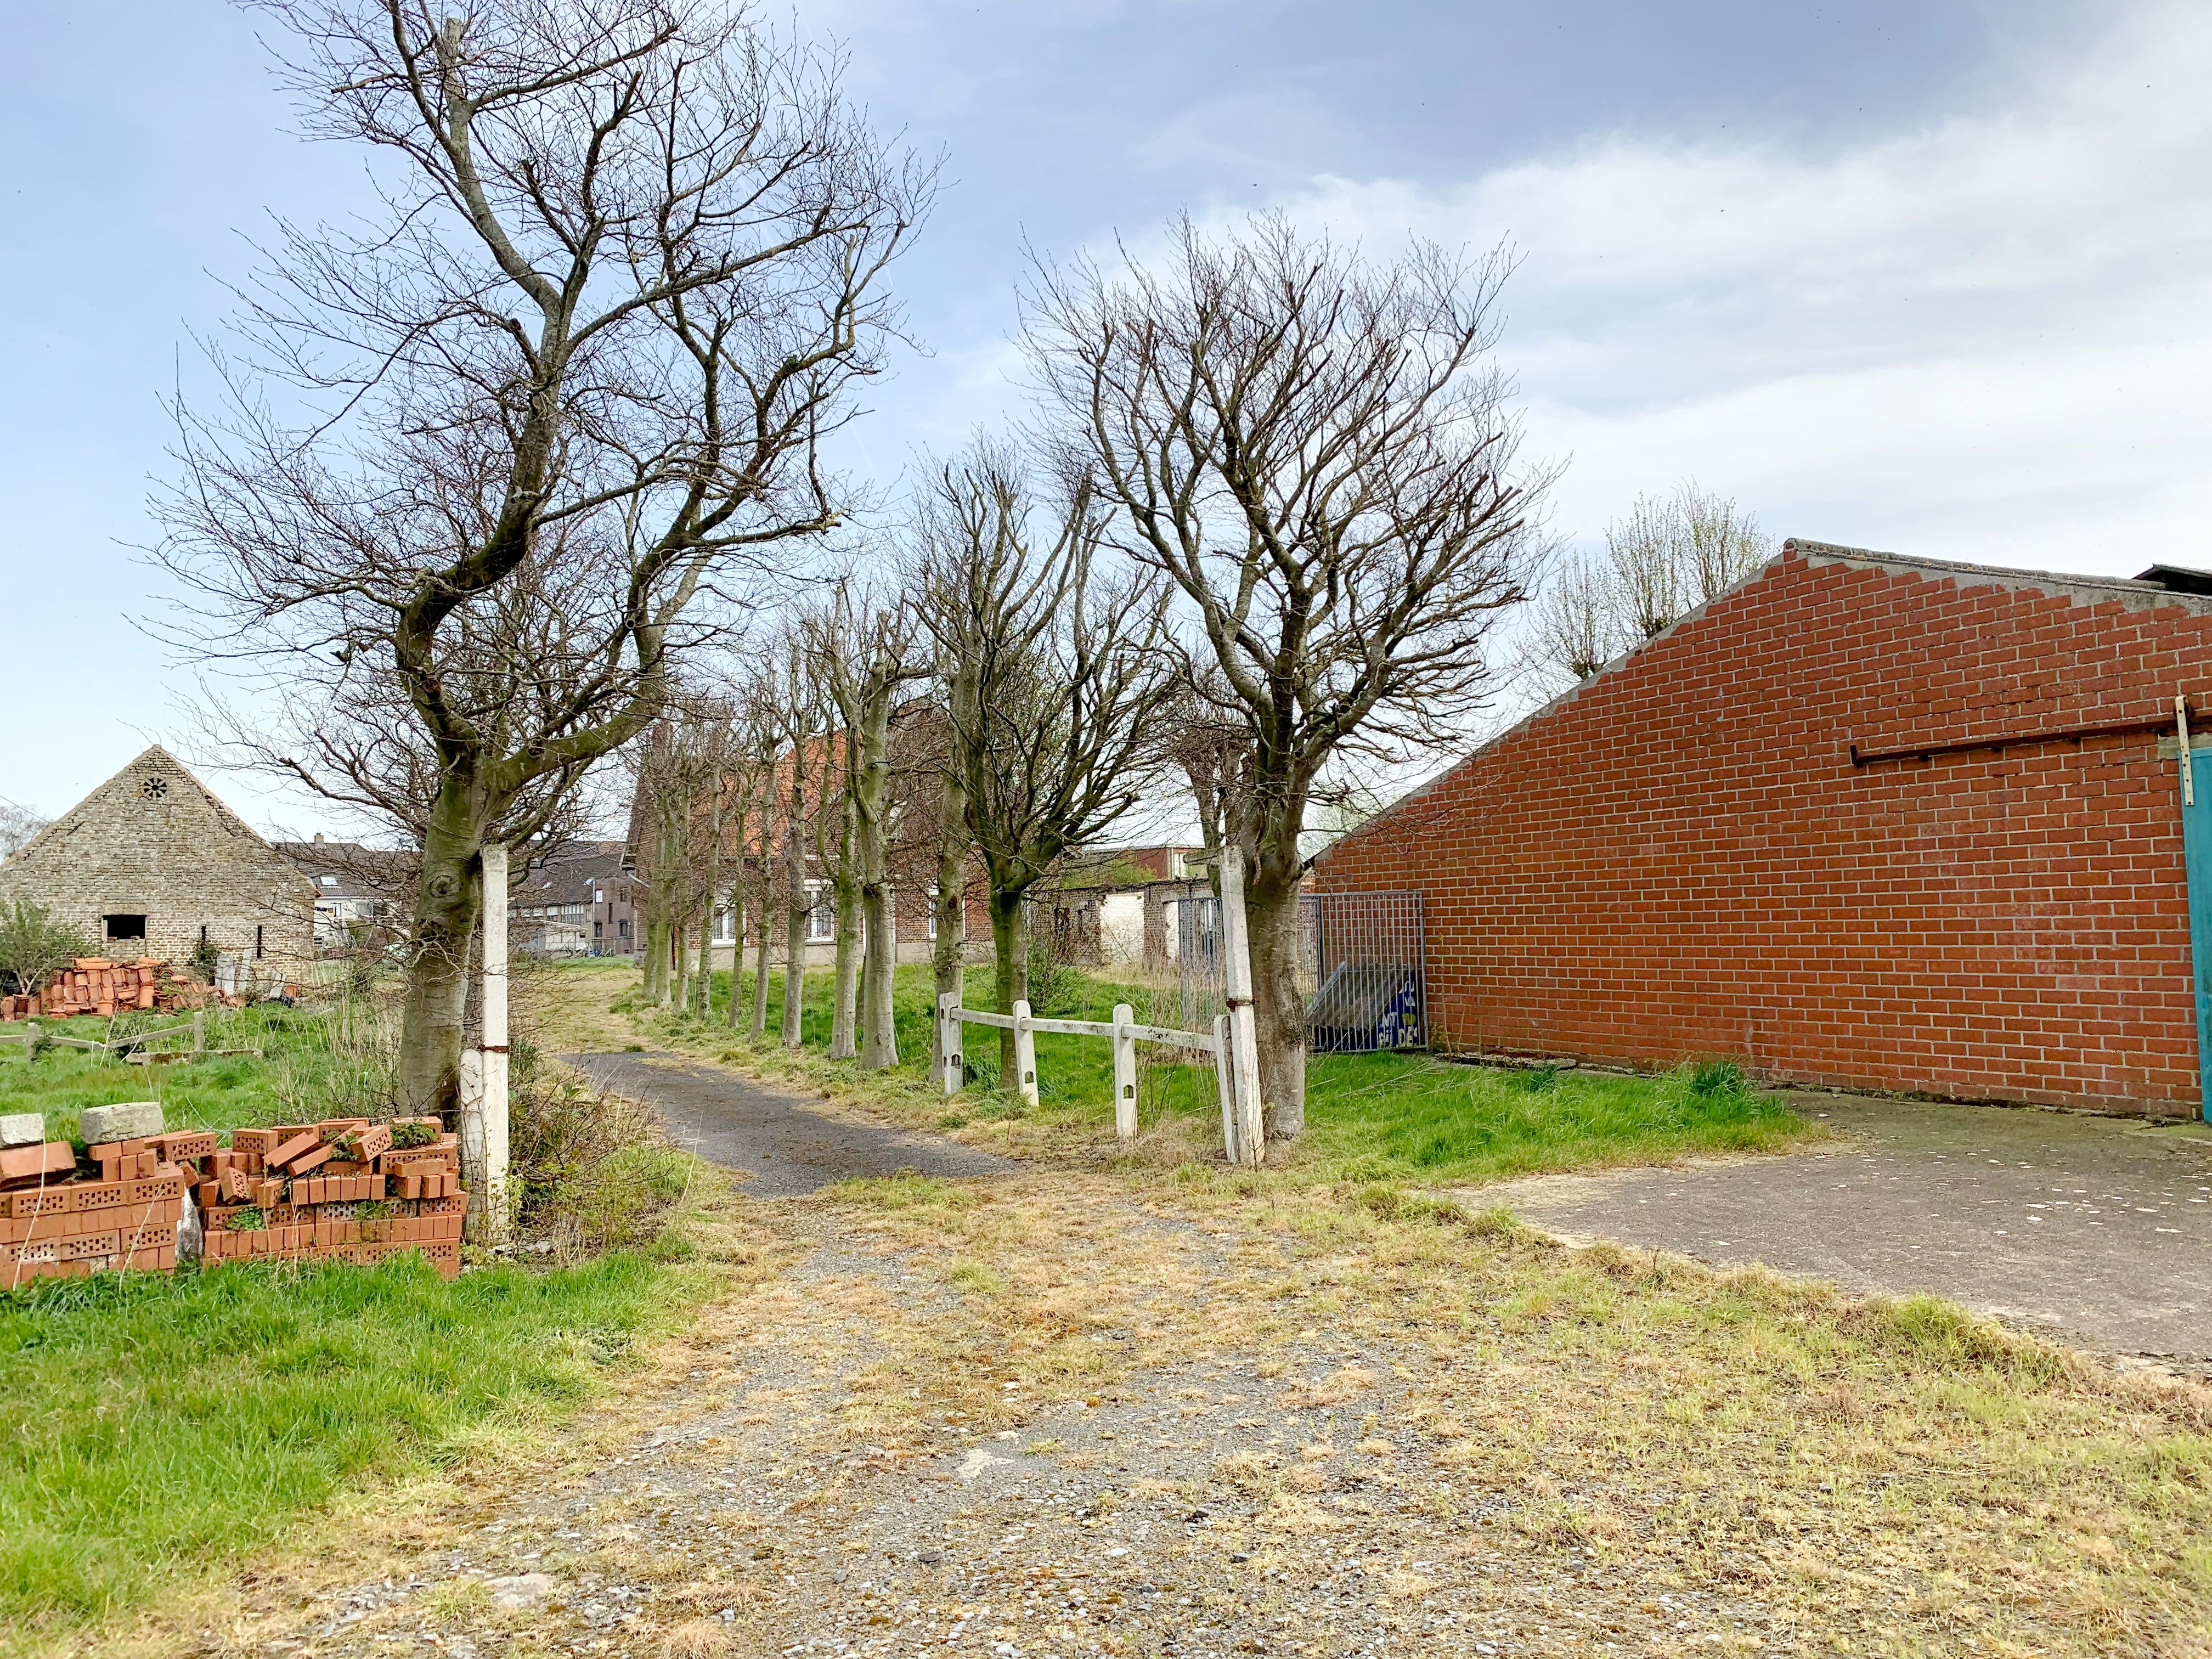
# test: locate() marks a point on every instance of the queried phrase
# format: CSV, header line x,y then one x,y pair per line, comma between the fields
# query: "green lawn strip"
x,y
316,1063
156,1426
1410,1117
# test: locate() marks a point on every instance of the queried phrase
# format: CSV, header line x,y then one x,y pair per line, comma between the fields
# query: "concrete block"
x,y
127,1120
22,1129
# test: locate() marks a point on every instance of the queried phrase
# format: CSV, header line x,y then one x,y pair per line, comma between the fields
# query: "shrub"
x,y
33,944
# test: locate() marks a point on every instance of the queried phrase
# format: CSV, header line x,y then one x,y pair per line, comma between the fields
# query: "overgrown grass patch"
x,y
153,1426
327,1061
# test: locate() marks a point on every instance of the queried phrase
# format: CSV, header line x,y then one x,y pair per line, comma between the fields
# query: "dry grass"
x,y
1893,1474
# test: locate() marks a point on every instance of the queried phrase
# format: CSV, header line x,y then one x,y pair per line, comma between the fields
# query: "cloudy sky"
x,y
1927,276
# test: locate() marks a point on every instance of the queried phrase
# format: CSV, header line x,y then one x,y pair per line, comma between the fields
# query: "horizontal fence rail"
x,y
1123,1030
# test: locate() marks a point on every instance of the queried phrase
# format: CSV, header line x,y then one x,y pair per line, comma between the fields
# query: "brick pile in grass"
x,y
1681,858
96,985
344,1189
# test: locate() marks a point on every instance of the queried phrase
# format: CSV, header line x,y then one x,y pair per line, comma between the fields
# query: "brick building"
x,y
1862,820
576,900
151,863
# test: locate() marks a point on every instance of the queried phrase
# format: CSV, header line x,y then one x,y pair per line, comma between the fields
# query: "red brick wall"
x,y
1678,858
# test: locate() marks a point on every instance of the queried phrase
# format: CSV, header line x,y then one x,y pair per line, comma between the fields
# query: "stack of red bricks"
x,y
344,1189
56,1224
94,985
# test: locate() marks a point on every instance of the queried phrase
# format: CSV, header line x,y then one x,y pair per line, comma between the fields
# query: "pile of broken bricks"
x,y
94,984
344,1189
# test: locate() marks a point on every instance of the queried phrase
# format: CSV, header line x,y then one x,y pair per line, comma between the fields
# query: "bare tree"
x,y
17,825
1317,450
1661,559
632,265
865,649
1056,669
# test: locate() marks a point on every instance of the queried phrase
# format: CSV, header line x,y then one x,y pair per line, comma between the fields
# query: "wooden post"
x,y
1244,1045
199,1030
1224,1082
955,1063
1125,1071
487,1179
1024,1054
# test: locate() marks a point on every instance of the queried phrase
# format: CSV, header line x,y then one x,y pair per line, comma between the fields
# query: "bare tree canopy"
x,y
17,825
631,266
1055,670
1662,559
1315,448
865,646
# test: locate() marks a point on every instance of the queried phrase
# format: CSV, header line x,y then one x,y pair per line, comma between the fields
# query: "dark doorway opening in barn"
x,y
122,928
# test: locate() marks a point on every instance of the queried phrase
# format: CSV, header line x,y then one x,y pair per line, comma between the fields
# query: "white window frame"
x,y
821,914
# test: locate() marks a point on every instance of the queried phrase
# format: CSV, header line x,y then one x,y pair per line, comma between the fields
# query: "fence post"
x,y
488,1199
199,1030
1236,964
952,1060
30,1041
1025,1052
1224,1082
1125,1071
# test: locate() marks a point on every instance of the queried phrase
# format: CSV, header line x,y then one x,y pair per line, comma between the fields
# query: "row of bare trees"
x,y
492,491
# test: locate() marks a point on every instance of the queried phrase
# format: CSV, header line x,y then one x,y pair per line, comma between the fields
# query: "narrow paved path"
x,y
785,1144
2095,1230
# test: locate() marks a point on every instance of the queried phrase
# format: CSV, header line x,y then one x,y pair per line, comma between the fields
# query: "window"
x,y
725,928
123,927
822,920
330,881
930,927
624,924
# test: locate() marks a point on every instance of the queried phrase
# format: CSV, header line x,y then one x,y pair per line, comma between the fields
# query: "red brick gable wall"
x,y
1680,859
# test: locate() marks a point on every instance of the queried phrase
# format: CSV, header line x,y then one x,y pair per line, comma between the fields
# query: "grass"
x,y
313,1064
150,1426
1406,1117
158,1426
1876,1476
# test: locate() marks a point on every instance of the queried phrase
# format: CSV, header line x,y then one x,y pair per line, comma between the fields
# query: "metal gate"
x,y
1362,969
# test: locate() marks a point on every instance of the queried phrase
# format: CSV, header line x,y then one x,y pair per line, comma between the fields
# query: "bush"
x,y
33,944
594,1171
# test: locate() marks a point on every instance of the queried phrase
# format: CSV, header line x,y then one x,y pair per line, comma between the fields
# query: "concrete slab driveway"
x,y
2098,1230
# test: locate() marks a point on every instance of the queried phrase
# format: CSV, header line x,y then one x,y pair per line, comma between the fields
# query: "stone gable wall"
x,y
153,840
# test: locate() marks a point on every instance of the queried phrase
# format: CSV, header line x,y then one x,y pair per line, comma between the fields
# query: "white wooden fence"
x,y
1232,1043
1125,1033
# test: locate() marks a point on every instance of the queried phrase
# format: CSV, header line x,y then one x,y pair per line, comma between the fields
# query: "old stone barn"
x,y
152,864
1863,820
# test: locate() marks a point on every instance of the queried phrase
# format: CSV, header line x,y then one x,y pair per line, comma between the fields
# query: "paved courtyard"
x,y
2098,1230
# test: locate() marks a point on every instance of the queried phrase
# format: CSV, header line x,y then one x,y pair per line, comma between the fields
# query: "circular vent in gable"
x,y
153,788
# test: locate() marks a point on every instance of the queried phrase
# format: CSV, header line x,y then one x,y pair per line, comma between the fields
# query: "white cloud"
x,y
1987,338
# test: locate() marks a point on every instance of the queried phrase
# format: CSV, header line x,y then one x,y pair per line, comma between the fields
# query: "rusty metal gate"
x,y
1362,969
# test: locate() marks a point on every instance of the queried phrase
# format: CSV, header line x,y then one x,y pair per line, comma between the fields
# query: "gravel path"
x,y
783,1144
762,1521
